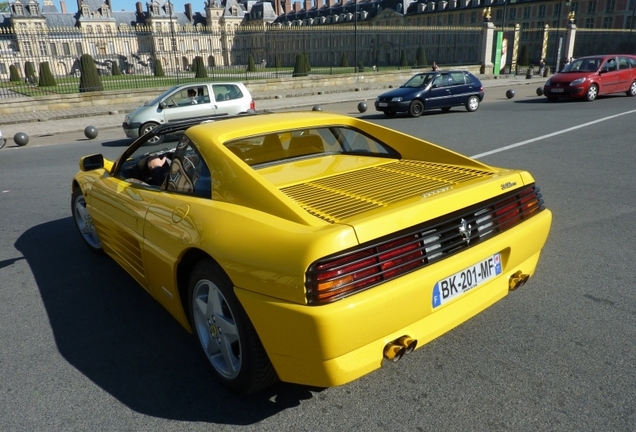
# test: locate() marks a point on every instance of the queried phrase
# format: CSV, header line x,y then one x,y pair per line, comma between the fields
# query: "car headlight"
x,y
548,83
377,99
126,119
397,99
578,81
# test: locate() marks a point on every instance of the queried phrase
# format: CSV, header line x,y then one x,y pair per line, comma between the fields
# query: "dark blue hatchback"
x,y
433,90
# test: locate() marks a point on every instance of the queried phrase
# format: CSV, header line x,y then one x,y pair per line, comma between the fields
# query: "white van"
x,y
188,101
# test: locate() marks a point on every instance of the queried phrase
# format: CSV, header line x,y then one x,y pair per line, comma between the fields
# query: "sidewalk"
x,y
76,119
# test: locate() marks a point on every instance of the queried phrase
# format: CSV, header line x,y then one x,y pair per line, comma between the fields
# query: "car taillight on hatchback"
x,y
253,105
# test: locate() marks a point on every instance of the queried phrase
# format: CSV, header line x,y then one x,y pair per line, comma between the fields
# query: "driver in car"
x,y
159,168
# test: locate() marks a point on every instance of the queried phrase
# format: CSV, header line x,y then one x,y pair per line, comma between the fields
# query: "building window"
x,y
589,23
574,7
591,7
162,46
473,17
609,6
66,48
513,14
126,47
27,48
53,49
556,9
526,12
78,48
607,22
43,48
450,19
629,24
3,68
196,45
499,15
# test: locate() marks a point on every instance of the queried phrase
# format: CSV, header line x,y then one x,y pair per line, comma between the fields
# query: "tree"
x,y
159,69
251,66
403,60
4,6
29,72
345,61
46,77
90,80
199,68
14,74
300,68
420,57
115,69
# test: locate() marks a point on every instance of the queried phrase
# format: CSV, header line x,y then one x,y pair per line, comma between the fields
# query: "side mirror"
x,y
91,162
163,105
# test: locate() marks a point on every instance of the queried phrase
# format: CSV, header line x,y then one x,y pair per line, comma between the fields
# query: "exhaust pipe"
x,y
517,280
395,350
408,343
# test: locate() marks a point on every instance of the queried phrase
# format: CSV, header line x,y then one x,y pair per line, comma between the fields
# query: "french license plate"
x,y
465,280
383,104
557,90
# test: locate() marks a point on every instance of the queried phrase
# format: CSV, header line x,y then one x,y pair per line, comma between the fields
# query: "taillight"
x,y
512,210
400,256
253,105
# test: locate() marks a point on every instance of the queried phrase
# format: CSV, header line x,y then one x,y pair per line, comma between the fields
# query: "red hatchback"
x,y
588,77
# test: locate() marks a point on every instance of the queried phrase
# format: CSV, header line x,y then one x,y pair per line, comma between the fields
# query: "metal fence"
x,y
130,59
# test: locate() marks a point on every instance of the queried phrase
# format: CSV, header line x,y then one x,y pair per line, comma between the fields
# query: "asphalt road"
x,y
83,347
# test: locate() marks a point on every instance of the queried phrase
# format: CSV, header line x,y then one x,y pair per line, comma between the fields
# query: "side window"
x,y
623,63
457,78
225,92
610,65
441,81
189,173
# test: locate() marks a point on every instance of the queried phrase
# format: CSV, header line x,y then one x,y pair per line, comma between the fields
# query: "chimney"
x,y
278,10
287,6
297,7
328,3
307,5
140,8
319,4
188,11
107,3
63,6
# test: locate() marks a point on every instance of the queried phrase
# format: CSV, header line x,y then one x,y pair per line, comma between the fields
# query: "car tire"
x,y
147,127
632,90
416,108
472,103
226,335
592,93
84,222
389,113
446,109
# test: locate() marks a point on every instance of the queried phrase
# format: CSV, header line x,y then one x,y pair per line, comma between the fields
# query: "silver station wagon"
x,y
187,101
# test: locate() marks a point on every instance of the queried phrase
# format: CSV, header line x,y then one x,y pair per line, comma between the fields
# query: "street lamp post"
x,y
557,46
355,34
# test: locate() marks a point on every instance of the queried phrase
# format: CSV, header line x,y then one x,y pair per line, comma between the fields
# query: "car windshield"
x,y
280,146
419,80
583,65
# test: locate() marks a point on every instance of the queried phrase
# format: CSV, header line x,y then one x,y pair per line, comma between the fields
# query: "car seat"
x,y
305,145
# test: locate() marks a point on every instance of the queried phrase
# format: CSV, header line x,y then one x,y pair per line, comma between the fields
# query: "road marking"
x,y
522,143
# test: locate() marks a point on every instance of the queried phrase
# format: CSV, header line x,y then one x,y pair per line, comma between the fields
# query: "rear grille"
x,y
368,265
345,195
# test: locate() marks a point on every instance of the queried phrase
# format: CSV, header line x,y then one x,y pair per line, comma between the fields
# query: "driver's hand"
x,y
156,162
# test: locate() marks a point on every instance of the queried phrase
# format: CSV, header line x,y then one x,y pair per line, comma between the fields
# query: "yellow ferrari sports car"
x,y
309,247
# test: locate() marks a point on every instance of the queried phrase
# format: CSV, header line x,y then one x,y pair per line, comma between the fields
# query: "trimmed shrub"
x,y
90,80
360,66
251,66
300,68
277,63
420,59
403,60
29,72
199,68
307,65
14,74
46,77
158,69
345,61
115,69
